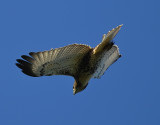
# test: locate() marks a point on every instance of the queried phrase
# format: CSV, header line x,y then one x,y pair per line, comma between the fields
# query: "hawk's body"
x,y
77,60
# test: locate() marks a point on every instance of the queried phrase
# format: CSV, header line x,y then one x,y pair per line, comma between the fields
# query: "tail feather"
x,y
106,40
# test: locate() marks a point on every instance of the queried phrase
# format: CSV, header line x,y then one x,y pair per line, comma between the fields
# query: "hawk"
x,y
77,60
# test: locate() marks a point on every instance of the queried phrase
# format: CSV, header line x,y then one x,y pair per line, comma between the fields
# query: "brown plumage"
x,y
77,60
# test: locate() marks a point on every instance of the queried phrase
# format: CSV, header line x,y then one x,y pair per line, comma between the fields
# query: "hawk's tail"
x,y
107,38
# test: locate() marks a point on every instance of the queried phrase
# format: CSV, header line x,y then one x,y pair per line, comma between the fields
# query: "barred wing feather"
x,y
60,61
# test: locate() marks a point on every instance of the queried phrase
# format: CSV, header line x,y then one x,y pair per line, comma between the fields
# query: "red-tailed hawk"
x,y
77,60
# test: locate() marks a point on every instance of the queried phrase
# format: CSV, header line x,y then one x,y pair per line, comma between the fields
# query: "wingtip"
x,y
19,65
25,67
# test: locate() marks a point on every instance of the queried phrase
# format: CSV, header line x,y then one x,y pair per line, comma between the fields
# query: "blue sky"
x,y
127,94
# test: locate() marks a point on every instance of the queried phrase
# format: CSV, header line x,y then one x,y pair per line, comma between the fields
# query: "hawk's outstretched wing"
x,y
60,61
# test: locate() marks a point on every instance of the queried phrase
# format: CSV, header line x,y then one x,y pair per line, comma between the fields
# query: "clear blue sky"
x,y
127,94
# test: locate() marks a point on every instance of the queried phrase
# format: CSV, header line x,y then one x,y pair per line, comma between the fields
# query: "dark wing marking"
x,y
60,61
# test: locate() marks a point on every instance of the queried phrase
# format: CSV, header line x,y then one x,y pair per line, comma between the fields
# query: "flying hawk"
x,y
77,60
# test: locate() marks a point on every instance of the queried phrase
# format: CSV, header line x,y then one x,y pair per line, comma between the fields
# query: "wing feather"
x,y
40,55
60,61
27,58
107,59
50,54
35,57
45,55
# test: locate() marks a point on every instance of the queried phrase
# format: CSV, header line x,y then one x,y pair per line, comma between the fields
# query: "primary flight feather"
x,y
77,60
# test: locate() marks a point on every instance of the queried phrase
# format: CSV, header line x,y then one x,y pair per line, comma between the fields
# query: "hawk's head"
x,y
78,87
